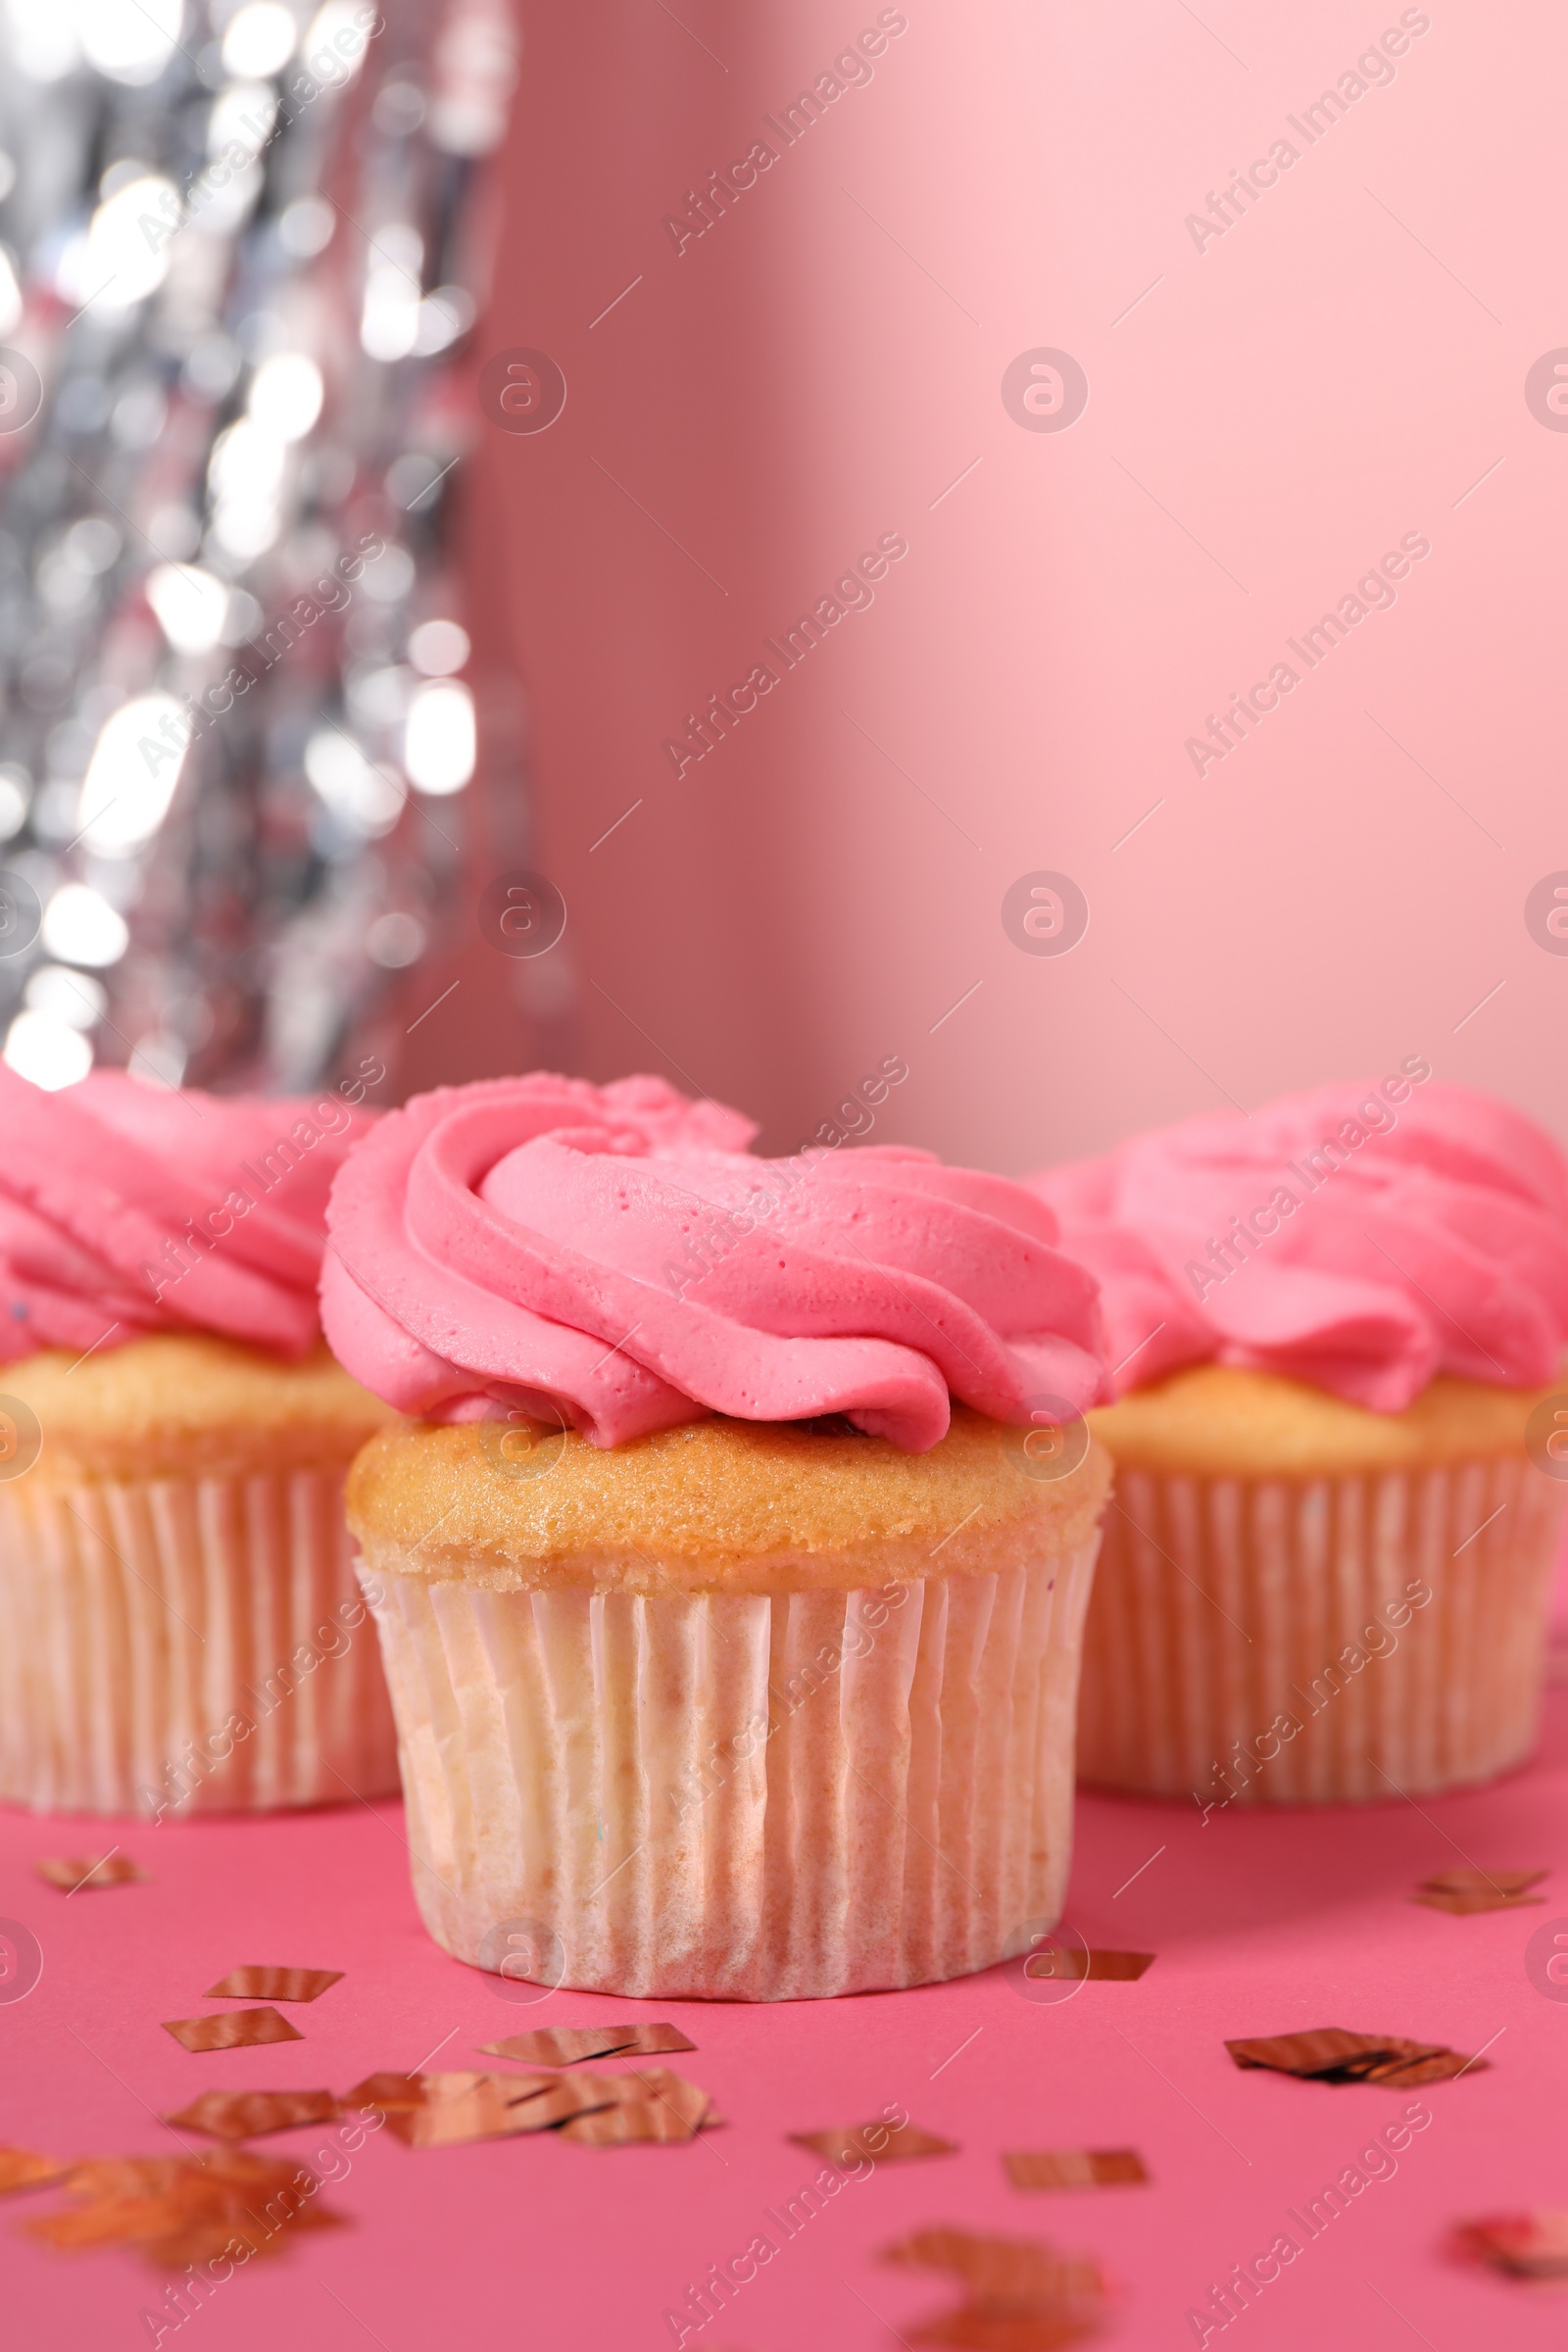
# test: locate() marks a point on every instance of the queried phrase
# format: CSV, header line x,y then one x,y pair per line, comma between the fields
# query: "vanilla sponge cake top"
x,y
187,1405
721,1505
1217,1421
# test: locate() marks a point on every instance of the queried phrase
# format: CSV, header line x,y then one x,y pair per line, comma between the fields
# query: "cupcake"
x,y
1334,1328
180,1626
731,1566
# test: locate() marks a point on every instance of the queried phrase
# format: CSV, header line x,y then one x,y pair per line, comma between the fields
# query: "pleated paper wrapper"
x,y
752,1797
1222,1605
142,1622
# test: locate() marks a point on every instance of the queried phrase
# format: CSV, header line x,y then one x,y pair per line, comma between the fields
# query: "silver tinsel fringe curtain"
x,y
240,253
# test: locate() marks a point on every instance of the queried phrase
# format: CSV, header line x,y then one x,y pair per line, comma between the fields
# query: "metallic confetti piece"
x,y
394,2094
1437,2066
20,2168
486,2112
1526,2245
1020,2293
100,2176
1333,2054
183,2208
112,2221
389,2093
976,2327
568,2045
651,2104
1326,2050
1471,1880
1009,2270
850,2145
249,2114
273,1985
628,2122
74,1873
1071,1963
1463,1903
231,2030
1395,2054
1074,2168
219,2176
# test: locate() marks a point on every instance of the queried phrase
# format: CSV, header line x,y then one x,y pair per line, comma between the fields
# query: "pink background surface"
x,y
1261,1923
1343,366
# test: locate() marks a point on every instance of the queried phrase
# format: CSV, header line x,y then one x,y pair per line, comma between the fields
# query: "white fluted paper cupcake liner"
x,y
1227,1611
178,1645
741,1796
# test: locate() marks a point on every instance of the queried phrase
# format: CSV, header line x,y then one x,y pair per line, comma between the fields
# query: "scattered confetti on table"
x,y
231,2030
77,1872
273,1985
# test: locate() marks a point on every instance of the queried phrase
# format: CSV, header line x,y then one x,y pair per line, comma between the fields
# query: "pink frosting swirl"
x,y
126,1209
618,1254
1362,1238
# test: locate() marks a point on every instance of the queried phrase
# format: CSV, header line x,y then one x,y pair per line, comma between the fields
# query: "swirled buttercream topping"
x,y
617,1256
1361,1238
126,1209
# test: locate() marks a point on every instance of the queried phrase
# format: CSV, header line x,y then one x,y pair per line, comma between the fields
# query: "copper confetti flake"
x,y
1021,2295
273,1985
850,2145
568,2045
498,2107
652,2104
399,2094
183,2210
389,2091
1333,2054
1005,2269
430,2111
1066,1963
977,2328
231,2030
250,2113
1464,1892
21,2167
75,1872
1074,2168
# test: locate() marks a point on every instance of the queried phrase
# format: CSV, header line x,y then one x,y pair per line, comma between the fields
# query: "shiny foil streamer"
x,y
237,271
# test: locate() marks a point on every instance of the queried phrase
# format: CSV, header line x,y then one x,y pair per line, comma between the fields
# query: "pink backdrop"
x,y
1267,415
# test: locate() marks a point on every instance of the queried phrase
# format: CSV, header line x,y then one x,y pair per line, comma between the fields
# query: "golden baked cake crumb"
x,y
721,1505
1217,1421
